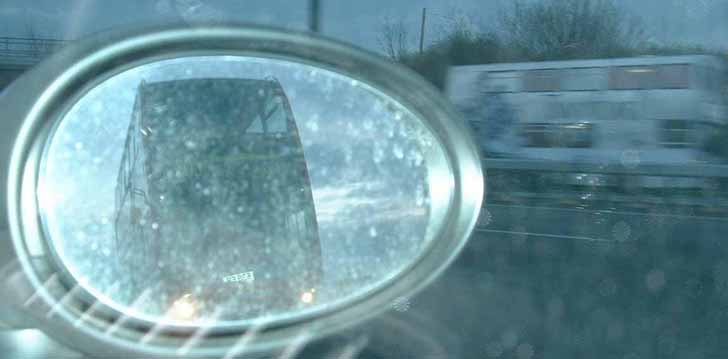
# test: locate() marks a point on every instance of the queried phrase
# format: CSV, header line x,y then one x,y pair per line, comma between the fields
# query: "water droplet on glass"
x,y
621,231
417,158
401,304
378,155
398,152
420,196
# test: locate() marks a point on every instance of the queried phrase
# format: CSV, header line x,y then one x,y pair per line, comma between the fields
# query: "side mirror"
x,y
222,191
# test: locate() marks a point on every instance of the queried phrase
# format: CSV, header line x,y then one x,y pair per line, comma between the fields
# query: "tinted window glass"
x,y
565,135
542,80
632,78
584,79
673,76
505,81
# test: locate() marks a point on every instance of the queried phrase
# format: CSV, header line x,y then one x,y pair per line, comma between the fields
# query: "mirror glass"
x,y
231,188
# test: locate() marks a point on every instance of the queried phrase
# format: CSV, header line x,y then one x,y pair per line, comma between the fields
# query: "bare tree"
x,y
394,39
570,29
455,20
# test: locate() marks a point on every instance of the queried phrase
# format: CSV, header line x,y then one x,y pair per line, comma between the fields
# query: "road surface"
x,y
546,282
540,282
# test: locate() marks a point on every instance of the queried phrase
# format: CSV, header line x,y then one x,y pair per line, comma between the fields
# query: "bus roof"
x,y
211,96
201,80
706,60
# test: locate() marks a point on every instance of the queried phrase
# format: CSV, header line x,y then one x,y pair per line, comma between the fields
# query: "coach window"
x,y
542,81
276,117
499,81
585,79
576,135
632,78
537,135
673,76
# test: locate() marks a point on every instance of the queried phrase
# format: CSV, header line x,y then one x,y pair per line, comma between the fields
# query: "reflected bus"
x,y
213,198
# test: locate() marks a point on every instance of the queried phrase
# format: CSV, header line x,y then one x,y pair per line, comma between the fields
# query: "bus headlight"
x,y
307,297
183,309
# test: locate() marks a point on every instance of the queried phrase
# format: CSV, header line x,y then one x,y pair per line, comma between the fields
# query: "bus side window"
x,y
542,80
576,135
632,78
276,121
256,126
580,79
673,76
498,82
536,135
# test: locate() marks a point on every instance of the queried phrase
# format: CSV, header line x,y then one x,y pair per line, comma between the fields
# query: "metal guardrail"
x,y
27,51
695,170
557,184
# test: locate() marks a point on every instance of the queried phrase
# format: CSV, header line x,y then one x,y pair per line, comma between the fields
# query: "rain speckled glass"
x,y
235,188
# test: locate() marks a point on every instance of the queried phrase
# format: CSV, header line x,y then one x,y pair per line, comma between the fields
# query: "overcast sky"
x,y
696,21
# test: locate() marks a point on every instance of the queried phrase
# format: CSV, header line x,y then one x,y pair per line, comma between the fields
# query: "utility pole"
x,y
422,29
314,18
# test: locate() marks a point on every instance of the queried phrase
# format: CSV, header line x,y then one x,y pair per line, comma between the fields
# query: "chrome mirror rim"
x,y
69,73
